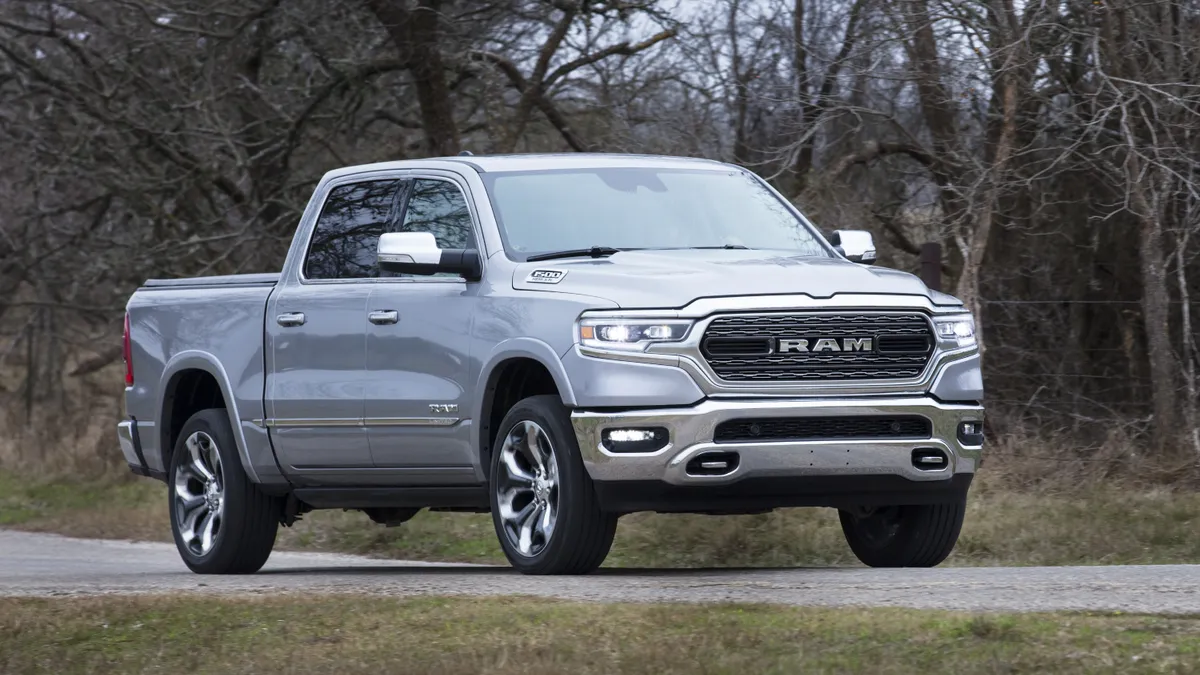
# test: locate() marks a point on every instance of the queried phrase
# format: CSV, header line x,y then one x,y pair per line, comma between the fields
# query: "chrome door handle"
x,y
381,317
289,320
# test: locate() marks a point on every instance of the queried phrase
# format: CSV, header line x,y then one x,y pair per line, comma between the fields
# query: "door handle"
x,y
382,317
291,319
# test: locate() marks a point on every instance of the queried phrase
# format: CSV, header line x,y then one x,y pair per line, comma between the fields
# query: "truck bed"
x,y
212,325
224,280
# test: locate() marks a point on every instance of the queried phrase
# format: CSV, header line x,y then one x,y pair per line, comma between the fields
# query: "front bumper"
x,y
692,428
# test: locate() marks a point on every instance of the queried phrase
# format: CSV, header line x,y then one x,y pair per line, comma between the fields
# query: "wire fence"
x,y
1075,367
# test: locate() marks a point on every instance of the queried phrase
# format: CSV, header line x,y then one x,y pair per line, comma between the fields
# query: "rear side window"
x,y
439,207
346,237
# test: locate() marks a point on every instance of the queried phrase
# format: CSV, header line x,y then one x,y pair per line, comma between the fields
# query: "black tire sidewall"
x,y
576,500
215,423
926,536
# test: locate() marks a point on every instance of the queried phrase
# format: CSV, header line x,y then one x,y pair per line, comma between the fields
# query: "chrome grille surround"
x,y
728,333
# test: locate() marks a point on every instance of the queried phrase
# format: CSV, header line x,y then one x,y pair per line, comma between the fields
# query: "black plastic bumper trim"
x,y
149,473
137,445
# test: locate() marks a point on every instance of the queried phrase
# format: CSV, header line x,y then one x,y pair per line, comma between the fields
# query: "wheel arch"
x,y
516,369
191,382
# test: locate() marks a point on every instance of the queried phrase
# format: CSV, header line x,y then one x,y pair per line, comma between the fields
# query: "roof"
x,y
577,160
542,162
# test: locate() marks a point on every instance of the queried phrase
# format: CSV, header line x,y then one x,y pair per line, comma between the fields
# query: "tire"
x,y
242,521
904,536
580,533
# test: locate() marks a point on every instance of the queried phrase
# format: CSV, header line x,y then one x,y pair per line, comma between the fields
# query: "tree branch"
x,y
622,49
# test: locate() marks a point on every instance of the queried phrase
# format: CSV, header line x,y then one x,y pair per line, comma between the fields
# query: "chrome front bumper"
x,y
691,433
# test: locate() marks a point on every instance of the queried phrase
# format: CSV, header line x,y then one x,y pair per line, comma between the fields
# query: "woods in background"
x,y
1051,147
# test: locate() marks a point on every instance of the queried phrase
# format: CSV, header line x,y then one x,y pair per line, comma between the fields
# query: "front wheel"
x,y
222,522
903,536
544,506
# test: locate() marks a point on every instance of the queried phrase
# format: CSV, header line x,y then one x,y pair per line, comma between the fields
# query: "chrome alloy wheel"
x,y
527,488
200,494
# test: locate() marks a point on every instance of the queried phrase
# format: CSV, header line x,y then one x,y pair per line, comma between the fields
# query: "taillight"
x,y
128,353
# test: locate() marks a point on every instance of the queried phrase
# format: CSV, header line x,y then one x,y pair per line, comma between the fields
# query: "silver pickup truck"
x,y
557,340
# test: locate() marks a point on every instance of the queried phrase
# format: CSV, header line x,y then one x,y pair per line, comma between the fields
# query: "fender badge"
x,y
545,276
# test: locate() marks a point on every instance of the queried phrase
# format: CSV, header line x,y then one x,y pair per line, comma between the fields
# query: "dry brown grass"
x,y
73,436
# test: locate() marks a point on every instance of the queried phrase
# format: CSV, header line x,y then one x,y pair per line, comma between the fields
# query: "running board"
x,y
459,497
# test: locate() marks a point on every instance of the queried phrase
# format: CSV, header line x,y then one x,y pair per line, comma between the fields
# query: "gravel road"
x,y
50,565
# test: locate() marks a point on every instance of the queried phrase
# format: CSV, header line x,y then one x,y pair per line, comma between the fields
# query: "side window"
x,y
344,242
439,207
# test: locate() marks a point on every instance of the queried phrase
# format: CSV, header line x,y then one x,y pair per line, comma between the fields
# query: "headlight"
x,y
958,329
630,334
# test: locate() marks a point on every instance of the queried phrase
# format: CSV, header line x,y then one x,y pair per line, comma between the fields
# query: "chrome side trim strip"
x,y
359,422
411,421
314,422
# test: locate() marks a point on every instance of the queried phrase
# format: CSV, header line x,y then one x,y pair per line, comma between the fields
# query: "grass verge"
x,y
1095,523
516,635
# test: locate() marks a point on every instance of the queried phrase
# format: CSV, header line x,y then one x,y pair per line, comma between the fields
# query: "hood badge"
x,y
545,276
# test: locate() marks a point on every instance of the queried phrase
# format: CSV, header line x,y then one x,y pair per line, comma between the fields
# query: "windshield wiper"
x,y
727,247
593,252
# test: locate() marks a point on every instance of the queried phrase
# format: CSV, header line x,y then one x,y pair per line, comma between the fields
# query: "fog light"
x,y
635,440
970,433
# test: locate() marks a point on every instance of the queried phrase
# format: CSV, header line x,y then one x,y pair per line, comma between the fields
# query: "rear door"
x,y
316,328
418,398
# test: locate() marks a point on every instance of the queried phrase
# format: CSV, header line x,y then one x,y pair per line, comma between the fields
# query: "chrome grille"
x,y
745,348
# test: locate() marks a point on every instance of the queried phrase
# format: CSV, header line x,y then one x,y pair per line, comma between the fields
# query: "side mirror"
x,y
856,245
418,253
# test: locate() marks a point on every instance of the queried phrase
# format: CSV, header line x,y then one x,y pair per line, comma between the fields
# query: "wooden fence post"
x,y
931,265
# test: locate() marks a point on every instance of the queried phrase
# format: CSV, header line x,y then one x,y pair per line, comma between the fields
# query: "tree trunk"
x,y
1156,313
975,240
416,35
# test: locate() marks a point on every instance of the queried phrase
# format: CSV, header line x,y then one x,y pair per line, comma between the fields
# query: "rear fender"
x,y
204,361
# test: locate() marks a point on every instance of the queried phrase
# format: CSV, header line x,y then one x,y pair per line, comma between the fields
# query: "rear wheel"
x,y
221,521
544,506
903,536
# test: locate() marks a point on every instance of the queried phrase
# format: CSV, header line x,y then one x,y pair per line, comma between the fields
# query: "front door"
x,y
417,404
316,326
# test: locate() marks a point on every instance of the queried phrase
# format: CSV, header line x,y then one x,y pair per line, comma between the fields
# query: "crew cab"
x,y
556,340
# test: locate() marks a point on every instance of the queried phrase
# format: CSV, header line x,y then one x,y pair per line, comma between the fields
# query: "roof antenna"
x,y
466,153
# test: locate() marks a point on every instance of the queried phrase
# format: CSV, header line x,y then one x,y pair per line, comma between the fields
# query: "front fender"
x,y
514,348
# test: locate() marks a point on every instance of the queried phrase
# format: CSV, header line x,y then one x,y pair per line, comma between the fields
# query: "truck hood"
x,y
672,279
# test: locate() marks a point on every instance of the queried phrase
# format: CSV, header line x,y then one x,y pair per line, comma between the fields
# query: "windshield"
x,y
642,208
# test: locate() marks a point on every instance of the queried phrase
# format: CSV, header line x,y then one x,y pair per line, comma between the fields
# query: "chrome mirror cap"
x,y
408,247
856,245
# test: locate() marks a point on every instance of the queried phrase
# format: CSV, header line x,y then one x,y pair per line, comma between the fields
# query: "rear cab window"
x,y
346,236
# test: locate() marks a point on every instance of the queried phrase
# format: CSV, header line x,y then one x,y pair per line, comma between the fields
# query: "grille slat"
x,y
780,429
739,346
743,348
